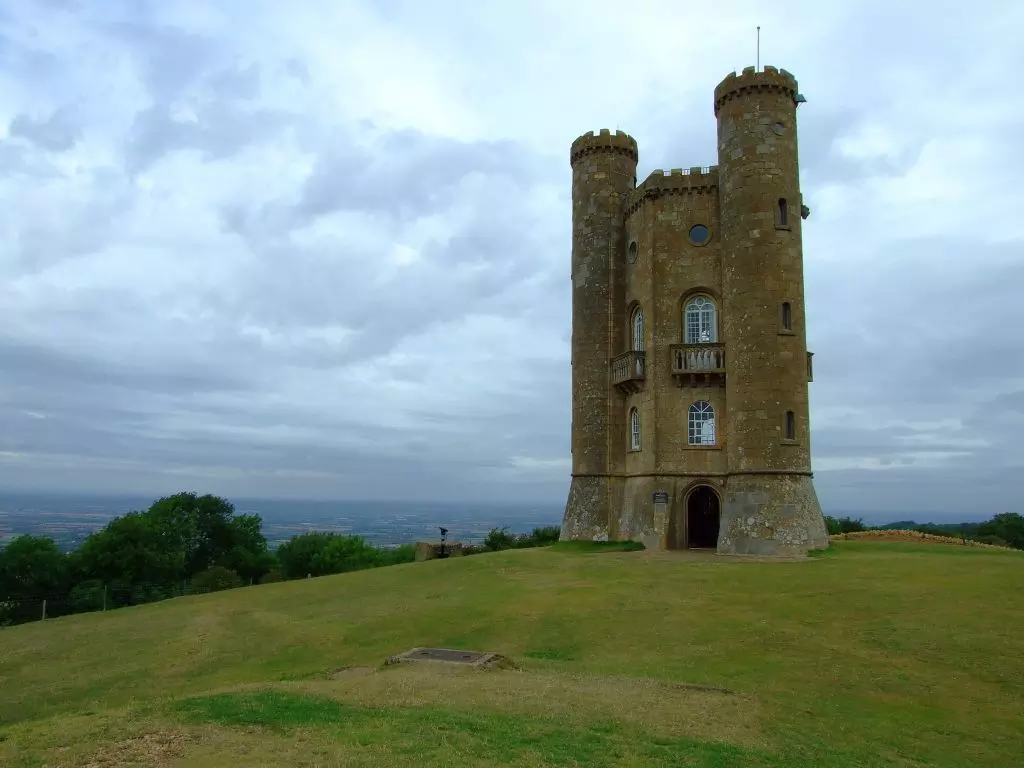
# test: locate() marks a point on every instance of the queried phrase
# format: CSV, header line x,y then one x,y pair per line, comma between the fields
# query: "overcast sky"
x,y
322,249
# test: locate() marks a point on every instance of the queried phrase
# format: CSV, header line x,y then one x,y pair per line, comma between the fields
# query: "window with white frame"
x,y
634,430
701,323
638,330
702,423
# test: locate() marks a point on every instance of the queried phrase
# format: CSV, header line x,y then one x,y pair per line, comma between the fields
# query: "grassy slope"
x,y
874,654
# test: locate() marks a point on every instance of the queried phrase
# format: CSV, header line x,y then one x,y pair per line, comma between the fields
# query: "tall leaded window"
x,y
634,430
701,322
702,423
638,330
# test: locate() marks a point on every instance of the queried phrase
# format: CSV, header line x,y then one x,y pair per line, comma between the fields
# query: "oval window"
x,y
632,251
699,234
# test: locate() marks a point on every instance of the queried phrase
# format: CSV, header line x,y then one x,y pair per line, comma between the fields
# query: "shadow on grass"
x,y
454,736
596,546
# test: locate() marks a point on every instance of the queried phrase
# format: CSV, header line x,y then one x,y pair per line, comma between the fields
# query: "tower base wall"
x,y
587,510
771,515
638,518
765,515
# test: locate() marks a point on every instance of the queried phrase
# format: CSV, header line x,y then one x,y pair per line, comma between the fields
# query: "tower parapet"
x,y
603,141
769,80
698,180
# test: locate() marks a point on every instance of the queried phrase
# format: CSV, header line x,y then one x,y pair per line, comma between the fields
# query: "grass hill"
x,y
873,654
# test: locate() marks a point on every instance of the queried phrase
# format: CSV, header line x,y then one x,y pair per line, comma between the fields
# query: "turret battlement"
x,y
752,81
604,141
697,180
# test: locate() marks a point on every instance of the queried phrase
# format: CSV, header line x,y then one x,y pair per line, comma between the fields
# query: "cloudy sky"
x,y
321,248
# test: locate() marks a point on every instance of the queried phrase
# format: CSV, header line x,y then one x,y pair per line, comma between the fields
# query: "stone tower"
x,y
690,424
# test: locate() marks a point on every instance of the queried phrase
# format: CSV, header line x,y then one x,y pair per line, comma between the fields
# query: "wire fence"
x,y
94,596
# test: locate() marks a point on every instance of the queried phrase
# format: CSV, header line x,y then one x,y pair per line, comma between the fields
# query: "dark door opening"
x,y
702,518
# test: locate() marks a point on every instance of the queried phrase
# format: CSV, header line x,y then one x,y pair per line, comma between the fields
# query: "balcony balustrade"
x,y
629,371
698,365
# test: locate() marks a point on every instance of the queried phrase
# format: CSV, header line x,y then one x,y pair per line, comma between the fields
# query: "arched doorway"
x,y
702,518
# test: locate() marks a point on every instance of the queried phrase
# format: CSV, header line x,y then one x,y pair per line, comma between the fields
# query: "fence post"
x,y
104,597
44,610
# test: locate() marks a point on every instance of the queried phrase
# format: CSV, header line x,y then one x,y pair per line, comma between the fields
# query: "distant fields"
x,y
872,654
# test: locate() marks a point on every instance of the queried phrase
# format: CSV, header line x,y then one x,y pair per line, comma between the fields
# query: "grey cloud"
x,y
171,59
56,133
385,312
408,173
219,131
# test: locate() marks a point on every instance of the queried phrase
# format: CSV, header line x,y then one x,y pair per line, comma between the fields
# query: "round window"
x,y
779,128
632,251
699,234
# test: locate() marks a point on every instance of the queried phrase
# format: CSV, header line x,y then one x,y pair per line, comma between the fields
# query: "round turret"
x,y
771,504
603,175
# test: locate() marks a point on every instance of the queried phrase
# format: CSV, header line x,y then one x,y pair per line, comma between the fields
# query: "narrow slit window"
x,y
634,430
783,213
790,426
787,316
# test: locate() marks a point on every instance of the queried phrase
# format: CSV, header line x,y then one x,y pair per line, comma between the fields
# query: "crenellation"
x,y
603,141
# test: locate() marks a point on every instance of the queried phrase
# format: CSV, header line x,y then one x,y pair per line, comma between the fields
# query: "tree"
x,y
1007,526
200,528
128,549
32,568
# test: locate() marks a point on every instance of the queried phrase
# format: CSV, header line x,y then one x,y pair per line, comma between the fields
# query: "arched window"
x,y
701,322
634,430
790,426
638,330
783,213
702,423
787,316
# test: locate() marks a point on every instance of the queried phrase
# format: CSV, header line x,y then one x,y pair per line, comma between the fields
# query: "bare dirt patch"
x,y
661,707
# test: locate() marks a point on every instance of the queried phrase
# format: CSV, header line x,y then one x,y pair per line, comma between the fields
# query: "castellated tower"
x,y
690,423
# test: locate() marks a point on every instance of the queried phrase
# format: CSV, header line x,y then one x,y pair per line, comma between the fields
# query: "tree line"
x,y
184,544
1005,529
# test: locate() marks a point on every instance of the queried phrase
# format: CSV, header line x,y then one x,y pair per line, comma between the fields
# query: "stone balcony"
x,y
628,372
698,365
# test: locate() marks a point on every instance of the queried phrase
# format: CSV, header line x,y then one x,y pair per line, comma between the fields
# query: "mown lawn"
x,y
874,654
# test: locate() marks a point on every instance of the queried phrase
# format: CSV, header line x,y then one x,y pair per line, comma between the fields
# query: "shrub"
x,y
214,579
87,596
837,525
271,576
539,537
498,539
405,553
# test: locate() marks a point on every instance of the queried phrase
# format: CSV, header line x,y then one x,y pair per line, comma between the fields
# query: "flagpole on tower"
x,y
758,67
